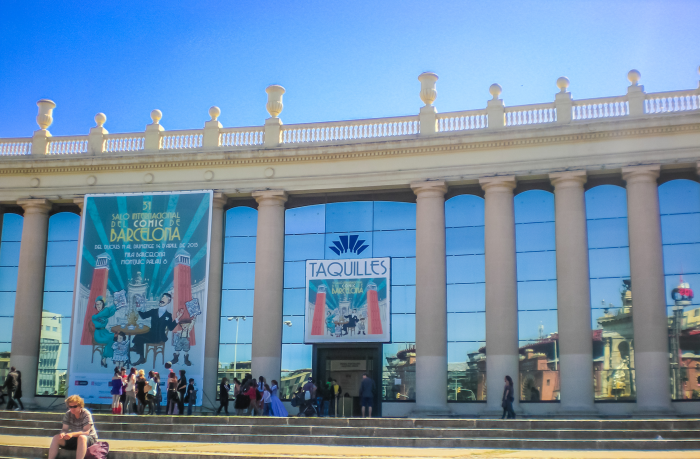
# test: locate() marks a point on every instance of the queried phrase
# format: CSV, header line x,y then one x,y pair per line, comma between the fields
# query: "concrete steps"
x,y
528,434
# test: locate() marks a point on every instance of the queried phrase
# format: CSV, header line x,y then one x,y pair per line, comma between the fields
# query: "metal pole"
x,y
235,349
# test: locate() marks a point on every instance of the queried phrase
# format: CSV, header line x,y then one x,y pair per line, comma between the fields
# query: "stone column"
x,y
573,294
216,259
501,290
269,284
26,327
431,298
648,292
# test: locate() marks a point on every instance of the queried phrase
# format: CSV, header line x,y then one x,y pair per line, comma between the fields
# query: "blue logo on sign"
x,y
348,244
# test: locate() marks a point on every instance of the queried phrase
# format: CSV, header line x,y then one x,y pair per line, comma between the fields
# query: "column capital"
x,y
506,182
568,179
270,197
35,206
429,188
636,174
79,202
219,201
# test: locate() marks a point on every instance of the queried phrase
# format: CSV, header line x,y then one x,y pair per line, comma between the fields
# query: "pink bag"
x,y
98,451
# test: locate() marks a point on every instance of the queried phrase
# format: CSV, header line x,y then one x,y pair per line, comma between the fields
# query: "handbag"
x,y
98,451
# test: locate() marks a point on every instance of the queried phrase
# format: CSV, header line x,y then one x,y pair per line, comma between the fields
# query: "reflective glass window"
x,y
679,204
466,298
59,279
238,286
611,293
538,336
10,239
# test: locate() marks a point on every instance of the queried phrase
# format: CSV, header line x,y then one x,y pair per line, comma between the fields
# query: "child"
x,y
121,350
181,340
267,405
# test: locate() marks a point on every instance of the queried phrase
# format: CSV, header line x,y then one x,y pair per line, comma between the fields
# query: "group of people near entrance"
x,y
252,397
323,399
134,392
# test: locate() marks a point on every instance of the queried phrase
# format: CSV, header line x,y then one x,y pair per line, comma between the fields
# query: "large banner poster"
x,y
141,291
348,301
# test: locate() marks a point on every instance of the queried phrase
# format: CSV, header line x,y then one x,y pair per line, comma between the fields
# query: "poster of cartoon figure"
x,y
141,298
348,301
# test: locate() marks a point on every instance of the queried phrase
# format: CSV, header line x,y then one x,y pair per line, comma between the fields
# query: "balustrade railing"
x,y
672,101
531,114
69,145
241,137
604,107
181,140
462,121
350,130
15,147
124,142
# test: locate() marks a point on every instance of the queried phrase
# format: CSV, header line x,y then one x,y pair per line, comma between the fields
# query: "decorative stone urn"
x,y
45,116
428,91
274,100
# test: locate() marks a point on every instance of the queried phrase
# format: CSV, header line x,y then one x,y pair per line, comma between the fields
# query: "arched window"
x,y
466,299
611,291
238,283
538,336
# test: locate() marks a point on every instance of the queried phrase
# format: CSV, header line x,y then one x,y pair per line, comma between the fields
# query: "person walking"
x,y
11,386
141,392
276,404
18,392
366,394
236,387
130,403
182,390
251,393
159,395
78,432
191,396
224,389
508,398
172,393
122,398
117,390
151,392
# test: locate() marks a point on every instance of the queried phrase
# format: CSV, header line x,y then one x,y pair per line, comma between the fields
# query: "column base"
x,y
431,412
655,412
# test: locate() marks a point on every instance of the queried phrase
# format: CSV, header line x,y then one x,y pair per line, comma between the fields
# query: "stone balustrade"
x,y
214,137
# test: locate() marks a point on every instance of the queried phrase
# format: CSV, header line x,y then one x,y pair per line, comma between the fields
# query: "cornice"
x,y
438,144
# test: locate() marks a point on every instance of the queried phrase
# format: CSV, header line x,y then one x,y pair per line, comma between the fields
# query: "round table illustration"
x,y
130,332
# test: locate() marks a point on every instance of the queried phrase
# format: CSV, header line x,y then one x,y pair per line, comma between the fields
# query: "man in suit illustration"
x,y
161,322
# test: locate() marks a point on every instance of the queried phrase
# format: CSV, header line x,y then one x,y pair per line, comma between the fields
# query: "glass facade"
x,y
59,281
611,293
466,299
538,337
9,263
679,203
236,326
388,228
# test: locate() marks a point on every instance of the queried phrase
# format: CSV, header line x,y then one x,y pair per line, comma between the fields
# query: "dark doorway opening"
x,y
346,363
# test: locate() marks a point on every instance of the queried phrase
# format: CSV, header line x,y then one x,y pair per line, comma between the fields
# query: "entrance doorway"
x,y
346,364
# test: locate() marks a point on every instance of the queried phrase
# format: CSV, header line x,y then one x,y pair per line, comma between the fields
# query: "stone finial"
x,y
156,116
45,116
633,76
495,90
274,100
214,112
562,84
100,119
428,91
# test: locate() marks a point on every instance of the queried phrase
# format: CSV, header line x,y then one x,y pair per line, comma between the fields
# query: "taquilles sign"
x,y
348,301
141,297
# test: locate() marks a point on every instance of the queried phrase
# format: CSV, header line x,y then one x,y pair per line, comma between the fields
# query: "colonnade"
x,y
577,396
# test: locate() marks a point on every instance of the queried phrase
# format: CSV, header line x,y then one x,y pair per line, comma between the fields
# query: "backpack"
x,y
97,451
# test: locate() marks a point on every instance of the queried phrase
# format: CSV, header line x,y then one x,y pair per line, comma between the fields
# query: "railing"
x,y
124,142
462,121
241,137
181,140
673,101
604,107
14,147
531,114
69,145
350,130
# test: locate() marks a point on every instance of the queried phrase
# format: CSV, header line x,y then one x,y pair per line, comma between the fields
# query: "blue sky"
x,y
337,60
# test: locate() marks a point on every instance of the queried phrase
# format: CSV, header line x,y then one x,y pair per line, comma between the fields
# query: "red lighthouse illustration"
x,y
373,318
182,288
98,288
318,324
